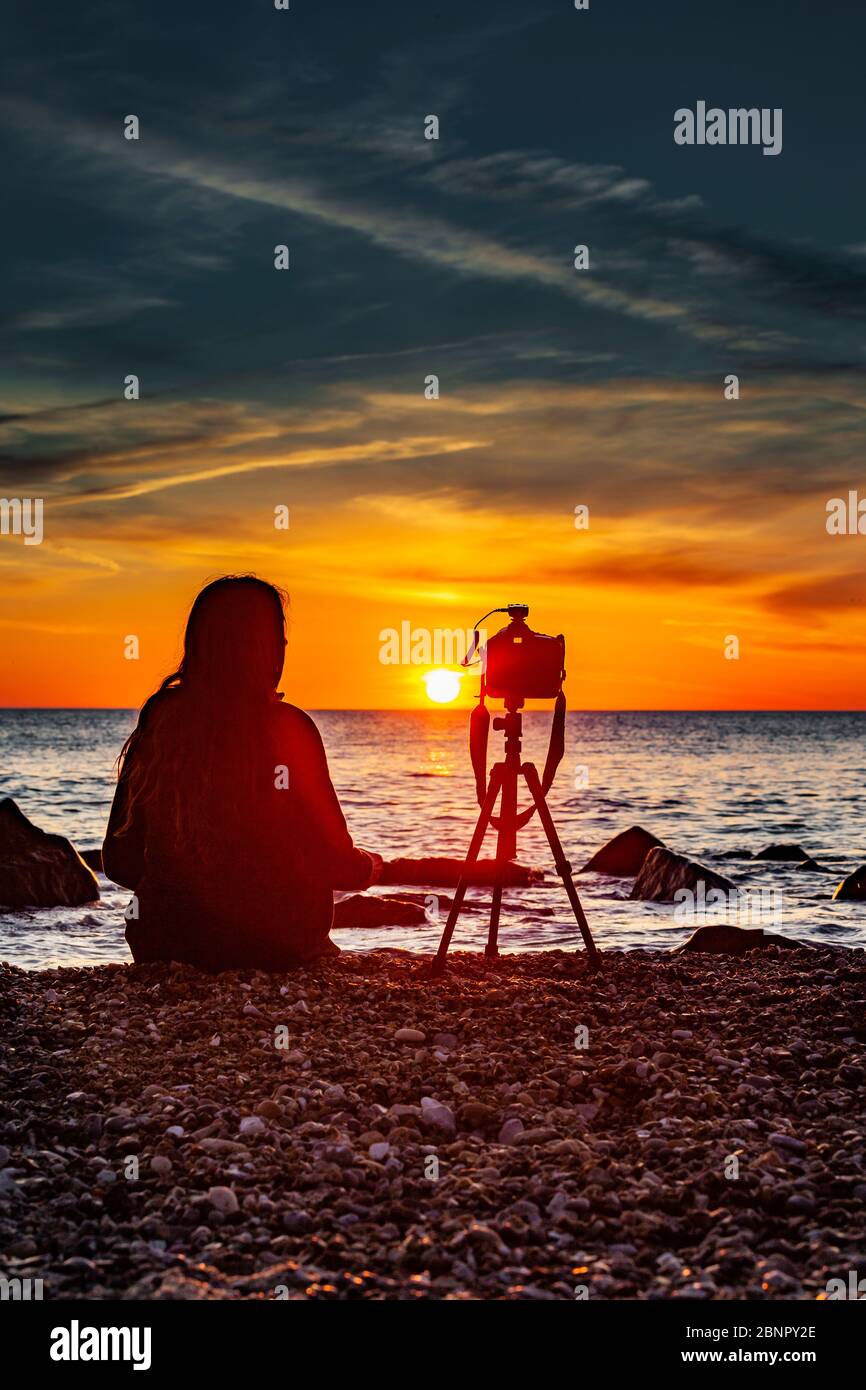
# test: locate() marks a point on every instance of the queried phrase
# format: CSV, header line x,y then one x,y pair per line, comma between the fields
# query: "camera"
x,y
520,664
517,664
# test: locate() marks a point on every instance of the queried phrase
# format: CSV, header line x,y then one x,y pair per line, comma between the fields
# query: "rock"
x,y
809,866
852,888
358,910
800,1205
270,1109
380,1150
161,1164
787,1142
297,1223
438,1115
222,1146
722,939
38,869
93,859
783,853
252,1124
223,1199
447,871
510,1130
665,873
475,1115
409,1035
447,1041
542,1135
624,854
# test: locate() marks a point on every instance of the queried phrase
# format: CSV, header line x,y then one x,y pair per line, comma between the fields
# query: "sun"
x,y
443,686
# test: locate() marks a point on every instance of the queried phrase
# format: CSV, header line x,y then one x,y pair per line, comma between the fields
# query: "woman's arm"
x,y
336,855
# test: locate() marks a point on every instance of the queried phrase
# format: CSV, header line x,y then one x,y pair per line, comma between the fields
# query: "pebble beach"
x,y
676,1126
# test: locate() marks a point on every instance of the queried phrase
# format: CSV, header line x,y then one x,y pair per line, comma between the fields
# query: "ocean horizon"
x,y
710,784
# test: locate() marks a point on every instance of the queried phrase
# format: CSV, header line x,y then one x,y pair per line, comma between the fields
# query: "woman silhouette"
x,y
225,824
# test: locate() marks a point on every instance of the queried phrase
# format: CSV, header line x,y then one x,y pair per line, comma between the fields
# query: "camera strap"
x,y
479,733
556,744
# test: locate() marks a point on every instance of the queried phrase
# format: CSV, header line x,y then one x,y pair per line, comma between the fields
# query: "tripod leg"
x,y
472,855
563,868
506,848
491,948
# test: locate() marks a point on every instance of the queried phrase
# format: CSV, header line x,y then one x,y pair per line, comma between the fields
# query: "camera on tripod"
x,y
520,664
516,664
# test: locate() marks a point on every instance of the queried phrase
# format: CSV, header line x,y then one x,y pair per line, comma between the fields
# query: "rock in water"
x,y
361,911
624,854
783,853
38,869
810,867
852,888
723,939
664,873
93,859
448,871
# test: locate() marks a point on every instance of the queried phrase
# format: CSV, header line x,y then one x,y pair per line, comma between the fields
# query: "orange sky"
x,y
404,510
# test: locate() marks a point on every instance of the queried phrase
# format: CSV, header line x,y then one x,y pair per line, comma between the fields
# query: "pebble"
x,y
223,1199
438,1115
269,1109
510,1130
786,1141
611,1161
409,1035
475,1115
541,1135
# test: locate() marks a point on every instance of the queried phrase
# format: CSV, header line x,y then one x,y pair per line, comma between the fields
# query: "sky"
x,y
409,258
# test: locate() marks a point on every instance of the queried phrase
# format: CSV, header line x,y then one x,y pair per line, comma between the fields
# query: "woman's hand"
x,y
378,865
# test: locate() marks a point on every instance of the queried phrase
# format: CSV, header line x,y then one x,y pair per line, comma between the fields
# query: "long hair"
x,y
201,753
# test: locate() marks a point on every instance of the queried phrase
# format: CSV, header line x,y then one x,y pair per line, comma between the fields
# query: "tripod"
x,y
504,778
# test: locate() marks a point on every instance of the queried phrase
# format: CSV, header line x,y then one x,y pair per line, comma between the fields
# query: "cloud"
x,y
395,226
821,595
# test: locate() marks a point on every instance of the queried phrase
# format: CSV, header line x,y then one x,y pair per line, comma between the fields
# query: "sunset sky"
x,y
305,388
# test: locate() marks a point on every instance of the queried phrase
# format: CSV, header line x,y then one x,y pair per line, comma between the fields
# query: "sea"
x,y
711,785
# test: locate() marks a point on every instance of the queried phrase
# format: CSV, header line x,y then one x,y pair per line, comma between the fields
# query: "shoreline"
x,y
423,954
705,1142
